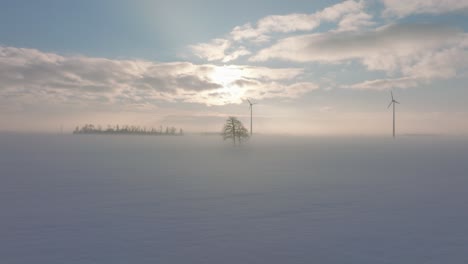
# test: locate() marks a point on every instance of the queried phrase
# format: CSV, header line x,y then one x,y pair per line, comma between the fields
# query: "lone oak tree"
x,y
234,130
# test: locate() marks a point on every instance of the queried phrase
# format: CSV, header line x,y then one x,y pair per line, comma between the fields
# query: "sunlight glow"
x,y
226,76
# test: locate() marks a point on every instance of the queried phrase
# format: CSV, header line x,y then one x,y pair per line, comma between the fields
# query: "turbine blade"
x,y
391,93
249,101
397,102
390,104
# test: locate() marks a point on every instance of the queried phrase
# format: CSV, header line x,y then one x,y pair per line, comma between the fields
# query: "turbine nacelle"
x,y
393,101
250,102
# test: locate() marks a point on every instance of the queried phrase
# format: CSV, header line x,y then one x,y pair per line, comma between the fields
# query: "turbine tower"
x,y
393,102
251,109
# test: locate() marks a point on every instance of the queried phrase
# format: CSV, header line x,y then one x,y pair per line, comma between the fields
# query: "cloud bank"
x,y
410,54
29,75
417,52
350,15
402,8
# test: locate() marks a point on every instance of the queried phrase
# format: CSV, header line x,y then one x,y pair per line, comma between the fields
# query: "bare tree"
x,y
234,129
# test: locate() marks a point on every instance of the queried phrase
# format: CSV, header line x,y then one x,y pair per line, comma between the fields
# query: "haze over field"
x,y
316,67
129,199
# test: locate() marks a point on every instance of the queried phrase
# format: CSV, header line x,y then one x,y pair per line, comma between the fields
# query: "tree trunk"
x,y
234,132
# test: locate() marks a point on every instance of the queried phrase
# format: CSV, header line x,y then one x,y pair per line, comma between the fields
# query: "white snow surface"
x,y
69,199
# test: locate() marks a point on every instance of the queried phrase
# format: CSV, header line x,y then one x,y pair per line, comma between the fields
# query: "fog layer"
x,y
196,199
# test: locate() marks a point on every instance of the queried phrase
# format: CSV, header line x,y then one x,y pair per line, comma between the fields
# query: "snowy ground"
x,y
128,199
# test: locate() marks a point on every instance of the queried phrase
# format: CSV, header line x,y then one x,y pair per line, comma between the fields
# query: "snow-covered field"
x,y
68,199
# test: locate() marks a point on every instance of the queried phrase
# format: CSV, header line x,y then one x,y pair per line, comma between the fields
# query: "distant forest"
x,y
128,130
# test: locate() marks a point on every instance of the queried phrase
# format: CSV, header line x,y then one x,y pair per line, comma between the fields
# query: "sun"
x,y
226,77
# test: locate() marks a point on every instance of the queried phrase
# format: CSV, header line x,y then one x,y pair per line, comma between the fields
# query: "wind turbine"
x,y
393,102
251,109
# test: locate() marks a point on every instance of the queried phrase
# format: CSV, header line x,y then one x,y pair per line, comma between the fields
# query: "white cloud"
x,y
218,50
355,21
276,23
287,23
350,11
402,8
335,12
405,49
238,90
30,77
214,50
385,84
392,40
441,64
246,31
349,14
410,54
239,52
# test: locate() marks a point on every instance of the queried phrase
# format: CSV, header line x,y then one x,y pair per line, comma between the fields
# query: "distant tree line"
x,y
127,130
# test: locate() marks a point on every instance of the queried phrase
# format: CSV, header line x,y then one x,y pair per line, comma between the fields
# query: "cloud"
x,y
218,50
398,39
246,31
438,64
385,84
410,54
273,90
300,22
335,12
287,23
30,77
238,90
355,22
350,15
402,8
239,52
239,82
214,50
412,49
265,73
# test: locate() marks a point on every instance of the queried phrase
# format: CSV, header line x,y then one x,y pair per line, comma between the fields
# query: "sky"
x,y
312,67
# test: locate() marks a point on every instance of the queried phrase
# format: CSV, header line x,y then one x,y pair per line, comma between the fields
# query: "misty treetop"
x,y
127,130
234,130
